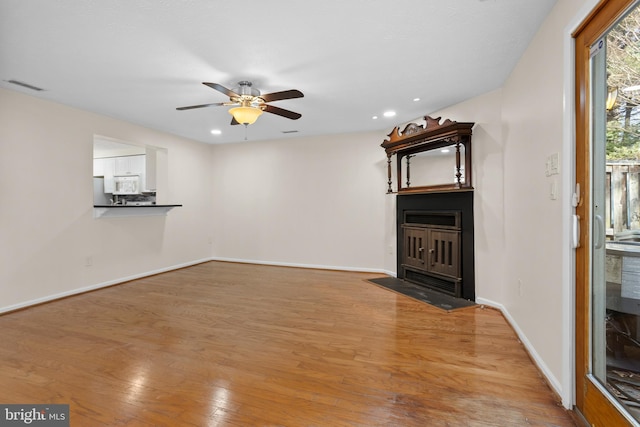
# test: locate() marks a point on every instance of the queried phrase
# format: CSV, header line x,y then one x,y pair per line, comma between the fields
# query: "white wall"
x,y
316,201
532,118
521,256
47,229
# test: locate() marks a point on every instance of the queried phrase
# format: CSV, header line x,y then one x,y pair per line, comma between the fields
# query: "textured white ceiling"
x,y
138,60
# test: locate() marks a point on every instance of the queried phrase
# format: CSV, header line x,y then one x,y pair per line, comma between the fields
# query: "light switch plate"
x,y
552,166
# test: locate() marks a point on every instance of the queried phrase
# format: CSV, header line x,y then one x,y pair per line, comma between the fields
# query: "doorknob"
x,y
599,232
576,231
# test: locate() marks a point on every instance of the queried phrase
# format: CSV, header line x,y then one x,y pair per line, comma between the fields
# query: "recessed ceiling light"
x,y
389,113
444,150
216,132
375,117
416,99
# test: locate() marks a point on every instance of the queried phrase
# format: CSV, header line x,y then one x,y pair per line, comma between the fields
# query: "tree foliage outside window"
x,y
623,77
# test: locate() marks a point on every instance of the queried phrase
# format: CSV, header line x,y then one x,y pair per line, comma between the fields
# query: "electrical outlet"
x,y
390,249
88,261
520,288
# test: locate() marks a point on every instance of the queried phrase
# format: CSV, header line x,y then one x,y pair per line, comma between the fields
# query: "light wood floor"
x,y
245,345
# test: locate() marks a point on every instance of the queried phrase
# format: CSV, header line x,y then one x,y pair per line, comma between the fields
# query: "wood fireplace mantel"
x,y
433,135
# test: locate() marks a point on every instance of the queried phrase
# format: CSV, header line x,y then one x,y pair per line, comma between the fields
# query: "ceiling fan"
x,y
249,104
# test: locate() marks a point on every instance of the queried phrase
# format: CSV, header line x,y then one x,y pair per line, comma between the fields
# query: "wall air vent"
x,y
26,85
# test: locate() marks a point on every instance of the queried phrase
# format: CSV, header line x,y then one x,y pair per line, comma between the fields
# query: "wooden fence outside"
x,y
623,200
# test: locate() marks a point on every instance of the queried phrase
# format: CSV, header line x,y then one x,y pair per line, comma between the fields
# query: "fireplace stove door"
x,y
415,240
444,253
431,256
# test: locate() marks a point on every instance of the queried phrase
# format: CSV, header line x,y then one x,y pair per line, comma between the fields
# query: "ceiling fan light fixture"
x,y
245,115
249,103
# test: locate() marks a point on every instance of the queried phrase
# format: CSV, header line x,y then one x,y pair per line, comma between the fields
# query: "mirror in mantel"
x,y
431,168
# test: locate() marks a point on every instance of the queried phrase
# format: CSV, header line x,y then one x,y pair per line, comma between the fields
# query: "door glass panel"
x,y
615,250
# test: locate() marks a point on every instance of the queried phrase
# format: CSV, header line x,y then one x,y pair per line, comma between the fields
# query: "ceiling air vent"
x,y
289,131
26,85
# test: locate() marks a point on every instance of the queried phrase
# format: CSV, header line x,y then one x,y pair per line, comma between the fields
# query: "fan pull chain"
x,y
245,131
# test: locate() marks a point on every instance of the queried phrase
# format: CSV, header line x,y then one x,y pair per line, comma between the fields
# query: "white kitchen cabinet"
x,y
125,165
105,167
130,165
98,167
109,170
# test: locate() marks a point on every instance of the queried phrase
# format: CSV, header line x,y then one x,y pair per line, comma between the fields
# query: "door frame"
x,y
589,398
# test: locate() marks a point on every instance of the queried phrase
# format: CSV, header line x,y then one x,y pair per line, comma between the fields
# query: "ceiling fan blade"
x,y
190,107
285,94
282,112
222,89
234,121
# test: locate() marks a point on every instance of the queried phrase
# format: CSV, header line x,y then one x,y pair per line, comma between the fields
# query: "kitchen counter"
x,y
131,209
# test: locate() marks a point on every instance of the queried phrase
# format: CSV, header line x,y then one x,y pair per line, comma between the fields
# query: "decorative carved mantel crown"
x,y
431,131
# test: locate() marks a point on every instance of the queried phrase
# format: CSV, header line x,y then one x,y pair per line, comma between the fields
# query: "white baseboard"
x,y
316,266
551,379
97,286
